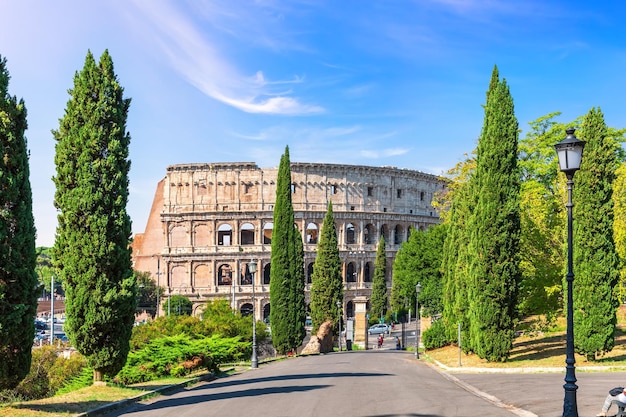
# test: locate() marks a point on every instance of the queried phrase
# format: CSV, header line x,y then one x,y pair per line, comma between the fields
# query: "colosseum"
x,y
210,220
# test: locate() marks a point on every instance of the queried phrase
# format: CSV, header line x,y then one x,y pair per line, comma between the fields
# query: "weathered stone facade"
x,y
208,221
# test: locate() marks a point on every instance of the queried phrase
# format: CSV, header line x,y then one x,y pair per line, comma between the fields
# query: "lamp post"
x,y
158,288
339,319
418,288
254,363
570,152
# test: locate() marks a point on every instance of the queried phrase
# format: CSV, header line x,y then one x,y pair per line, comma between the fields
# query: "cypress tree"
x,y
495,229
92,248
595,258
378,302
326,281
287,273
18,279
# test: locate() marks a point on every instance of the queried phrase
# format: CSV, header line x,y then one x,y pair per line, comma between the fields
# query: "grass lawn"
x,y
82,400
540,350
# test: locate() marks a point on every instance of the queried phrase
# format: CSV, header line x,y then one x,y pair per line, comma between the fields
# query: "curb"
x,y
128,401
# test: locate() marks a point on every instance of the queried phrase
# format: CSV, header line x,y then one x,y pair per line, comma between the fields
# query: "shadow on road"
x,y
190,398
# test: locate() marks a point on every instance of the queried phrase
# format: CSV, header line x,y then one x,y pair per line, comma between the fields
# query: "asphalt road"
x,y
357,383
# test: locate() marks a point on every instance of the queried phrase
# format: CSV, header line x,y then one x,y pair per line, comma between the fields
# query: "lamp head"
x,y
570,153
418,288
252,267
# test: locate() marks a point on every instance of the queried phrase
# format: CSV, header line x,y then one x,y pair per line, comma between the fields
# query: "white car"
x,y
378,329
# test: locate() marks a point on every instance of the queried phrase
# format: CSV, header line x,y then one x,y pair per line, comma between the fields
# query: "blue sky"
x,y
387,82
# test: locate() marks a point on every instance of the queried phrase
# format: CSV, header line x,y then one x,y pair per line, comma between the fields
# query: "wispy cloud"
x,y
204,65
383,153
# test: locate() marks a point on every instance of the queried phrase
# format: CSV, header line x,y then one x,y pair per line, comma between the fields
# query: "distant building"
x,y
209,220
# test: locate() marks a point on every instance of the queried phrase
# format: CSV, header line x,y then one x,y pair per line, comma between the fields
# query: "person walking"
x,y
616,394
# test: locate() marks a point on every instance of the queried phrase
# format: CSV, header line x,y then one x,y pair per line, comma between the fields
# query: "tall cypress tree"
x,y
91,252
595,258
378,303
287,273
495,229
326,281
18,280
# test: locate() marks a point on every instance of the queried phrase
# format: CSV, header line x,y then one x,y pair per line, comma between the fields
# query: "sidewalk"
x,y
536,392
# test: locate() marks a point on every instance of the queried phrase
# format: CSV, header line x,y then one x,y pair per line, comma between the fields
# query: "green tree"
x,y
179,305
378,302
286,280
148,293
326,281
18,280
542,220
596,266
619,225
92,247
495,229
456,205
419,260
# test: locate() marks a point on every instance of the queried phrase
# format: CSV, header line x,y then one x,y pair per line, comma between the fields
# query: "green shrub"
x,y
82,380
180,355
48,373
435,336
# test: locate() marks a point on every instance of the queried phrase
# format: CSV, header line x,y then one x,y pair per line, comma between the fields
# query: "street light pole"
x,y
339,319
254,363
418,288
569,152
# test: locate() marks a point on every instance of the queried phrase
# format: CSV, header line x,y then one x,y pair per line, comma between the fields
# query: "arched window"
x,y
350,309
350,234
246,309
367,272
368,234
246,276
309,272
351,272
266,274
311,234
384,232
224,275
247,234
397,235
224,235
267,233
266,313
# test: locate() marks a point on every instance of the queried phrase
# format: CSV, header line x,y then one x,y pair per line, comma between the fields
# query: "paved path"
x,y
357,383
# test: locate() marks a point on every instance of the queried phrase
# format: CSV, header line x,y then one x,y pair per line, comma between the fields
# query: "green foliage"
x,y
148,293
18,280
378,302
179,305
435,336
180,355
619,226
92,246
326,281
494,229
596,266
49,371
456,261
419,260
287,273
542,257
82,380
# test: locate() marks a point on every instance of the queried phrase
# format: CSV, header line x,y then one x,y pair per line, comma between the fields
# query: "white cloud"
x,y
383,153
203,65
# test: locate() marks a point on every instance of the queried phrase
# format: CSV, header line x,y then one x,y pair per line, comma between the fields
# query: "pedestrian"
x,y
380,341
398,344
615,394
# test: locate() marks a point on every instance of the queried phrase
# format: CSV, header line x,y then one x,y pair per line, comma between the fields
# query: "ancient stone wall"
x,y
208,221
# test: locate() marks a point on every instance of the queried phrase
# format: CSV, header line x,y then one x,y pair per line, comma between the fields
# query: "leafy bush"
x,y
180,355
82,380
48,373
435,336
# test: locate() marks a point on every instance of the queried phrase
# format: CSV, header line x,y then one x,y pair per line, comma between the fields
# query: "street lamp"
x,y
570,152
254,363
339,318
418,288
158,288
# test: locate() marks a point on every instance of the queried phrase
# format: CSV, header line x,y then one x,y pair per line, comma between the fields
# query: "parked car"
x,y
378,329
